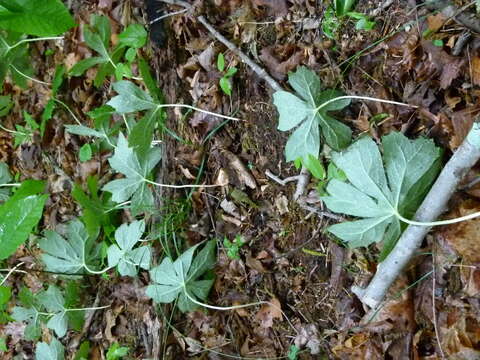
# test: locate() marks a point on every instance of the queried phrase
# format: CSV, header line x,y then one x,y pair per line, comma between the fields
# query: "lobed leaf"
x,y
380,188
303,112
173,279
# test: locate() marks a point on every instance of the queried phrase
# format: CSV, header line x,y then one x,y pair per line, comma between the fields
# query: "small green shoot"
x,y
293,352
340,10
97,37
233,247
115,351
225,81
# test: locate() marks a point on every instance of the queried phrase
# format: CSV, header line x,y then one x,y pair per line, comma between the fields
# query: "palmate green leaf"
x,y
52,351
130,98
126,162
68,256
302,112
52,300
19,215
378,190
33,17
123,255
29,316
96,208
173,279
134,36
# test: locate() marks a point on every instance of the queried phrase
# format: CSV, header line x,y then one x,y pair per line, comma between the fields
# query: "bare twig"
x,y
257,69
434,204
434,310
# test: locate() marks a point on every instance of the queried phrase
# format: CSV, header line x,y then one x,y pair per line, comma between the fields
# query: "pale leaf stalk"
x,y
180,186
10,272
440,222
357,97
199,110
29,77
10,185
97,272
235,307
34,40
89,308
13,131
69,110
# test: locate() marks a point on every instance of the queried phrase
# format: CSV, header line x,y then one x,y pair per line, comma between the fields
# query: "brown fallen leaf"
x,y
463,236
269,312
476,70
435,22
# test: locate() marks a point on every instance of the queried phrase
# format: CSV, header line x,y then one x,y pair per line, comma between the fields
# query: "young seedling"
x,y
97,36
225,81
233,247
339,10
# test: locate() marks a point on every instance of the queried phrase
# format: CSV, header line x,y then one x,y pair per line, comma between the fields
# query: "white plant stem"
x,y
29,77
432,206
69,110
198,109
180,186
10,185
236,307
367,98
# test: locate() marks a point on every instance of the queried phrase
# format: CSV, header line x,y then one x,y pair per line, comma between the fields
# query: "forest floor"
x,y
412,54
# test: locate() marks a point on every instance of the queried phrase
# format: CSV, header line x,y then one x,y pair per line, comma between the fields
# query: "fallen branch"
x,y
432,207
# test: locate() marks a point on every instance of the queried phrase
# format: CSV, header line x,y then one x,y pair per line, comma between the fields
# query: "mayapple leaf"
x,y
33,17
123,255
29,316
54,302
304,112
70,256
52,351
134,36
19,215
126,162
175,279
381,188
130,98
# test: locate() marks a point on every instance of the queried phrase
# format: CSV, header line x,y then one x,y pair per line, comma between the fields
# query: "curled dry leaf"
x,y
269,312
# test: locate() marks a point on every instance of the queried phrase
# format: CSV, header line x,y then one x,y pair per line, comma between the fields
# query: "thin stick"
x,y
11,272
199,110
434,310
181,186
167,15
257,69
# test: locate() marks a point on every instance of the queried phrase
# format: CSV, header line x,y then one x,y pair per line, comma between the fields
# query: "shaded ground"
x,y
288,258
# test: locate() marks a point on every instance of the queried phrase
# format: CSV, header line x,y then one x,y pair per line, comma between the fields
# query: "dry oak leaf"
x,y
463,236
269,312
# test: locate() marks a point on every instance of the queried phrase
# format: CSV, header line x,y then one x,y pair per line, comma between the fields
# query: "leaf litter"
x,y
300,281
